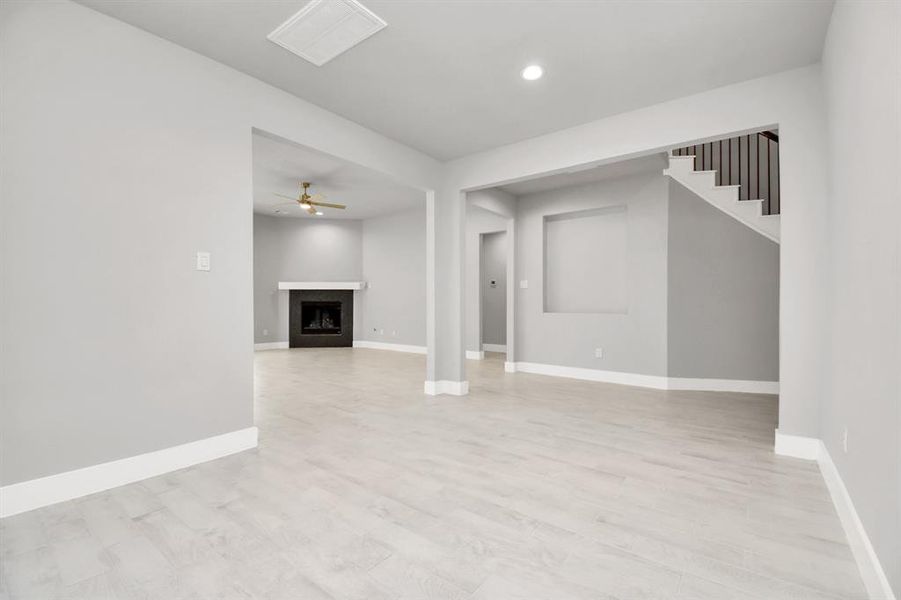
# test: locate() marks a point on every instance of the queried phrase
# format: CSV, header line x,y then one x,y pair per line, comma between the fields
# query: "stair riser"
x,y
725,198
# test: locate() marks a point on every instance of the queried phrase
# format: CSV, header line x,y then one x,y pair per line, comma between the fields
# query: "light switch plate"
x,y
524,283
203,261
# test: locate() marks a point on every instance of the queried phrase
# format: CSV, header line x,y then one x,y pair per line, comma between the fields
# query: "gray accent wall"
x,y
394,267
493,268
633,341
292,249
723,294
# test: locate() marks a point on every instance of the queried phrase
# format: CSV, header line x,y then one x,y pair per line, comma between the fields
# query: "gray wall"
x,y
478,221
723,291
112,345
387,252
702,290
861,67
634,342
493,266
394,266
288,249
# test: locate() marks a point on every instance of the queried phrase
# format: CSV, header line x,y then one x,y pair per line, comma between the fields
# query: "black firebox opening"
x,y
321,318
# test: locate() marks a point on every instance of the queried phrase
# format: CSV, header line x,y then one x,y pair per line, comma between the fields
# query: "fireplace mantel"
x,y
321,285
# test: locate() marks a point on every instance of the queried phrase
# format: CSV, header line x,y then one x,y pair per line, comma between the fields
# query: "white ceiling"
x,y
279,166
443,77
645,164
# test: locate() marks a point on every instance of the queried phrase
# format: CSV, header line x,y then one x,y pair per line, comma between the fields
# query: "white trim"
x,y
657,382
494,347
868,564
723,385
444,386
651,381
475,354
797,446
389,346
871,571
270,346
29,495
321,285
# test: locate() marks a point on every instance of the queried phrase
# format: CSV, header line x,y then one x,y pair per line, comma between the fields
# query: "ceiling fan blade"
x,y
341,206
288,197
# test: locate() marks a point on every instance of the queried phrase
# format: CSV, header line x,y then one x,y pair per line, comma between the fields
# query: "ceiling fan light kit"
x,y
310,203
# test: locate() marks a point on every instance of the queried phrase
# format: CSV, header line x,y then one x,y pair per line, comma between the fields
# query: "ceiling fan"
x,y
308,202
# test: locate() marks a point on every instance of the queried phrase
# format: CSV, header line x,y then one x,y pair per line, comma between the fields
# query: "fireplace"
x,y
320,318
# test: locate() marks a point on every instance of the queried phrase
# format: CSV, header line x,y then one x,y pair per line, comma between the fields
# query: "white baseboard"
x,y
797,446
652,381
444,386
494,347
657,382
29,495
868,564
390,346
871,570
723,385
475,354
270,346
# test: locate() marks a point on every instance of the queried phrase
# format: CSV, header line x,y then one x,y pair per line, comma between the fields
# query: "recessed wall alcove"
x,y
586,261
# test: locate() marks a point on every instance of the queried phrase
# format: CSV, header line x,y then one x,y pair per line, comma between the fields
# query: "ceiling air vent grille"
x,y
323,29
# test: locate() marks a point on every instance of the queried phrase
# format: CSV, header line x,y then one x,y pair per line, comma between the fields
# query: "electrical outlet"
x,y
845,440
265,332
394,333
599,353
381,332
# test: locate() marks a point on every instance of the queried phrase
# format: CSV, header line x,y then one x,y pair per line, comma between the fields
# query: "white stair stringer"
x,y
723,197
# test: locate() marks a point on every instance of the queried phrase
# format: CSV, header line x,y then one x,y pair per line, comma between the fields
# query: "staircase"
x,y
739,176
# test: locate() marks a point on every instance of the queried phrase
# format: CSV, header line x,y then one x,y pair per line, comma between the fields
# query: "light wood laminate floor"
x,y
531,487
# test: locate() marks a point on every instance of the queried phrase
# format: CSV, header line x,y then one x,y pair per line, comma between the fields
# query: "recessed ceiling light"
x,y
532,72
318,213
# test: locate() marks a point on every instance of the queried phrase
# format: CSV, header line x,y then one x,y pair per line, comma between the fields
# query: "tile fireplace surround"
x,y
320,318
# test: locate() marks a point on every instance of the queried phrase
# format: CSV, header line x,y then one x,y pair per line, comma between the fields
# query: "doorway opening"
x,y
493,291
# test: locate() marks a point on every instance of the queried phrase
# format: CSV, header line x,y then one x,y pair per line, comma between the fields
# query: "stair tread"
x,y
765,226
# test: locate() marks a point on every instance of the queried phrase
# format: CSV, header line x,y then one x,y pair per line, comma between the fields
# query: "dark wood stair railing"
x,y
749,161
